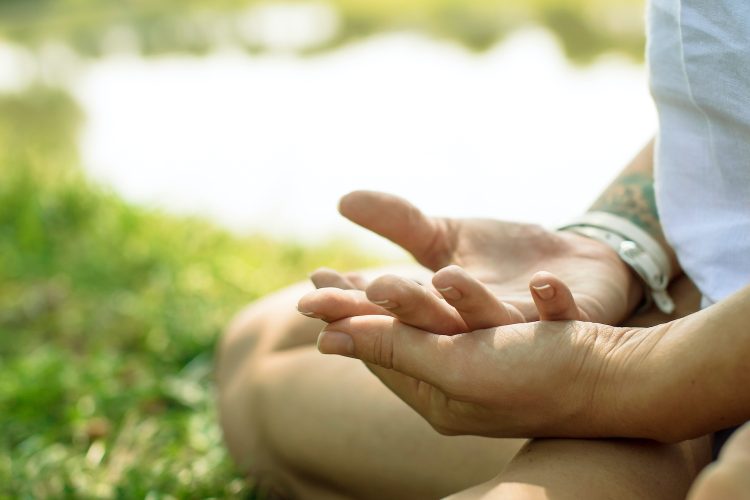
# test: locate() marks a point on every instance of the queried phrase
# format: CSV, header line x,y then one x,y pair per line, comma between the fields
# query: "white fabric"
x,y
699,65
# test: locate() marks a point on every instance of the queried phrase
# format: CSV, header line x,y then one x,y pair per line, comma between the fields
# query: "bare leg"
x,y
327,428
728,478
319,427
574,469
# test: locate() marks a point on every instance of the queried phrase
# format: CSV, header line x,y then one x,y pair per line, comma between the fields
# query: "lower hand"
x,y
544,379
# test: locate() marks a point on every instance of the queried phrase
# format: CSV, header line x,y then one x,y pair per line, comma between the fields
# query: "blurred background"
x,y
163,162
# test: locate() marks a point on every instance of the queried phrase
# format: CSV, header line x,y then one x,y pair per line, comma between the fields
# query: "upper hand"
x,y
498,260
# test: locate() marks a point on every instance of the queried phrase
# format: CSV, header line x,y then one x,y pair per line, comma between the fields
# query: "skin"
x,y
283,406
308,426
269,375
565,378
503,256
495,263
544,469
727,478
567,350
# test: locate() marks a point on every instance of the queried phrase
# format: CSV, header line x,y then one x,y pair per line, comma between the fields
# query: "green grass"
x,y
109,314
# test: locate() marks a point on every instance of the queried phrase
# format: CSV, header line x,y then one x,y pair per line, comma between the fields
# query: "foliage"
x,y
108,318
586,27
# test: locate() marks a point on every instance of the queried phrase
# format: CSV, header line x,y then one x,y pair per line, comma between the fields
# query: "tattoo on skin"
x,y
632,196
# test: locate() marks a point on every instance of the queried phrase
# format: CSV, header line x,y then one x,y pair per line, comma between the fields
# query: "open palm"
x,y
504,256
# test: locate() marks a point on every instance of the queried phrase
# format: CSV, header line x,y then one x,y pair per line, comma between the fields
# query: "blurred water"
x,y
270,142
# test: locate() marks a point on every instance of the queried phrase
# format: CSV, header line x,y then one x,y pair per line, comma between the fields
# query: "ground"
x,y
109,315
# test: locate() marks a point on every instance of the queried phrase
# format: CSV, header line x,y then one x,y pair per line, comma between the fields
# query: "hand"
x,y
497,259
469,305
544,379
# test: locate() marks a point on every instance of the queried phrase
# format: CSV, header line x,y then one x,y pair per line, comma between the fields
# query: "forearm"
x,y
700,381
687,301
631,195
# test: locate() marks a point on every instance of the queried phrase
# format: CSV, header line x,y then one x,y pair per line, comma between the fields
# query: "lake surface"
x,y
269,143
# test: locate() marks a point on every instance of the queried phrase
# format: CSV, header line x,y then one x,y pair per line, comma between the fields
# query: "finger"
x,y
329,278
333,304
413,391
415,305
389,344
357,279
426,399
553,299
476,303
402,223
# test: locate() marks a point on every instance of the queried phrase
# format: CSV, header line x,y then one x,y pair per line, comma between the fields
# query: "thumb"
x,y
408,361
401,222
387,343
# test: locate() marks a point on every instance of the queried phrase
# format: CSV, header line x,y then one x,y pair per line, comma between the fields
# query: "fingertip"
x,y
304,303
553,298
449,277
450,293
383,288
544,292
334,342
320,271
547,286
543,278
324,277
345,201
353,201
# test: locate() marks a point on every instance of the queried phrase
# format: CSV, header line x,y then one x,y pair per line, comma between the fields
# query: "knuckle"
x,y
383,351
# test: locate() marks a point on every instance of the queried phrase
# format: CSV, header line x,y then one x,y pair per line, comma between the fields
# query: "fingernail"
x,y
308,314
385,304
450,293
546,292
335,343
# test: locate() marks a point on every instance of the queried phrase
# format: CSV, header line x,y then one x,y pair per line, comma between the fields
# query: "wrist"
x,y
623,282
636,248
630,400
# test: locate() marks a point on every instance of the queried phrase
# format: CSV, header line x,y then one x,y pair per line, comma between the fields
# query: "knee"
x,y
239,341
251,337
269,324
727,478
722,480
234,382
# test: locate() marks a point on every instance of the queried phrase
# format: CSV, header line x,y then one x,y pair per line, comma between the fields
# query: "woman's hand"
x,y
502,256
562,379
671,382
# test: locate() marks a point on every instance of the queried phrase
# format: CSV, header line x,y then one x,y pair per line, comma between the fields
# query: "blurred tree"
x,y
586,28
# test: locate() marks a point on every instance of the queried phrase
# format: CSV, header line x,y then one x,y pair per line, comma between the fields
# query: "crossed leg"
x,y
315,427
